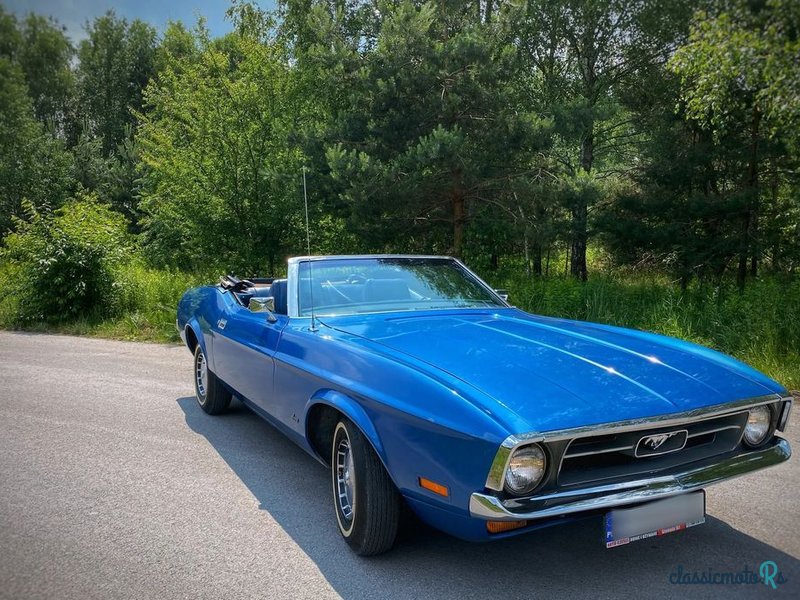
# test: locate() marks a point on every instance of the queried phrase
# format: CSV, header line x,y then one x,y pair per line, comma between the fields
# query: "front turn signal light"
x,y
432,486
502,526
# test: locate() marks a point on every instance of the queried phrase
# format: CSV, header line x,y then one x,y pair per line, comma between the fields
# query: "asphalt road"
x,y
113,484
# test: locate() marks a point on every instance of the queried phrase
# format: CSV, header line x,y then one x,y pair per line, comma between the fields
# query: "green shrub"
x,y
759,325
63,262
8,300
146,301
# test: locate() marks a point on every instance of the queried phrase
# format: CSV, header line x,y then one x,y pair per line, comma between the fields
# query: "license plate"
x,y
659,517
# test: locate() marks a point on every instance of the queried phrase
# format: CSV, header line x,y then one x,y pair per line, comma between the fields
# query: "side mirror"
x,y
503,294
267,305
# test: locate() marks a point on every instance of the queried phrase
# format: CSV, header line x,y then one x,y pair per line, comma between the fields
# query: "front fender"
x,y
197,309
197,331
353,411
421,424
410,447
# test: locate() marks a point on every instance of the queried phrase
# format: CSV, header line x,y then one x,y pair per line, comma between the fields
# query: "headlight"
x,y
759,426
525,469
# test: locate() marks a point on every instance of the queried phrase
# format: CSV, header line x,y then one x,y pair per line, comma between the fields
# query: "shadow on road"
x,y
565,561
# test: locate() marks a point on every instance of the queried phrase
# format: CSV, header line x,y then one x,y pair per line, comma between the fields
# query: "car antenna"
x,y
310,262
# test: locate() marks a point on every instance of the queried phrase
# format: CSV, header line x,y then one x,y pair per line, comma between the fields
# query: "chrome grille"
x,y
612,456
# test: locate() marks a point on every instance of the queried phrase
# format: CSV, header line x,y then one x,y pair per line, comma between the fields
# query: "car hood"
x,y
539,374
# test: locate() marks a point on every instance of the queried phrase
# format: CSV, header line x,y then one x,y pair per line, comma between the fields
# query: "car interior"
x,y
256,287
353,291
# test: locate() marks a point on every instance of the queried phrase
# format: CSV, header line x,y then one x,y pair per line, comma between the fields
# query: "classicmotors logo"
x,y
767,574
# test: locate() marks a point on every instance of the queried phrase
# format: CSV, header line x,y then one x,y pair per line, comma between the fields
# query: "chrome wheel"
x,y
201,375
212,395
345,480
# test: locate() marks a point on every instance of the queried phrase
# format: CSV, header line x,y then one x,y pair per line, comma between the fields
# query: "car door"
x,y
244,348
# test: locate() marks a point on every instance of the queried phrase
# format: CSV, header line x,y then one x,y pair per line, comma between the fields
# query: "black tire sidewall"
x,y
376,501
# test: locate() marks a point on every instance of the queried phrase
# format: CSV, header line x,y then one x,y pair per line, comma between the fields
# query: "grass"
x,y
144,302
760,325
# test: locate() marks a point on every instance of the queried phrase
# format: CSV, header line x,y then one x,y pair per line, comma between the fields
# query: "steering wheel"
x,y
356,278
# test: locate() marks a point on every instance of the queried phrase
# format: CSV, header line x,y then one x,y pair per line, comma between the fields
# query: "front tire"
x,y
212,396
366,502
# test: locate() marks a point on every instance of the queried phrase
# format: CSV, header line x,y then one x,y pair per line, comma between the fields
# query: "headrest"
x,y
278,291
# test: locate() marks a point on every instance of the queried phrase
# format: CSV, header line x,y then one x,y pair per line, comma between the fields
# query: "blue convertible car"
x,y
417,383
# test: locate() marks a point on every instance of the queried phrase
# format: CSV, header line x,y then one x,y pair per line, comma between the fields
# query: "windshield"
x,y
364,285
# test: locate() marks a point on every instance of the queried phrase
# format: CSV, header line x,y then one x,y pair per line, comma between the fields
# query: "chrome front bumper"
x,y
486,506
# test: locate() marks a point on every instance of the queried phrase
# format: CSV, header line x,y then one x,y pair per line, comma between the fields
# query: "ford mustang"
x,y
418,384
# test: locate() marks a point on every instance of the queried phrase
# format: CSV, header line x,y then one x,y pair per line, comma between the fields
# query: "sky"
x,y
73,14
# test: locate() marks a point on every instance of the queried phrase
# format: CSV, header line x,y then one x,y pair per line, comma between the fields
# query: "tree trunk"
x,y
580,213
577,265
537,259
527,250
755,199
547,263
567,255
748,245
458,221
776,249
754,247
587,151
741,271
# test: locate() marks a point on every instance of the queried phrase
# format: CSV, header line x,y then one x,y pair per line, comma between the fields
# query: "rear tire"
x,y
365,500
212,396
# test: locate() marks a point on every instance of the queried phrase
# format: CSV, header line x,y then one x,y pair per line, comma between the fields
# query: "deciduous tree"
x,y
116,62
739,75
33,164
222,178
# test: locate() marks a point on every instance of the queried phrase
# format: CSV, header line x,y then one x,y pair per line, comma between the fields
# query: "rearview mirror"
x,y
267,305
503,294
